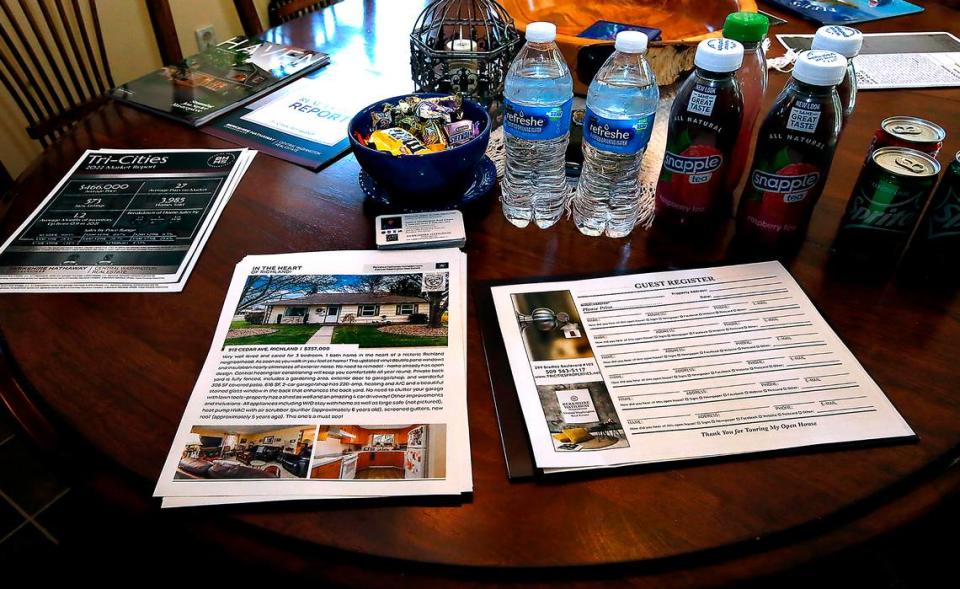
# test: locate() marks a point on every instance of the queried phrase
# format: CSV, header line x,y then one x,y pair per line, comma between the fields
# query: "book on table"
x,y
217,80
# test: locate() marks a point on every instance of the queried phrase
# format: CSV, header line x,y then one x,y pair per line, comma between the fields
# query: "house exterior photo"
x,y
338,307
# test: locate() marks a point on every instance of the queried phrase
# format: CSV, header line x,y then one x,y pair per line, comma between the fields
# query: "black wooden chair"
x,y
54,64
281,11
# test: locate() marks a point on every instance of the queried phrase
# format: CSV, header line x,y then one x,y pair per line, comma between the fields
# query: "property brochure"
x,y
306,121
169,502
219,79
331,375
680,365
899,60
123,220
844,12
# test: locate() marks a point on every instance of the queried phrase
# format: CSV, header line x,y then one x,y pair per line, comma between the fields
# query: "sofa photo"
x,y
195,468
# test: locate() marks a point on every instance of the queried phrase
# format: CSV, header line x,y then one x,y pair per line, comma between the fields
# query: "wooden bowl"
x,y
683,23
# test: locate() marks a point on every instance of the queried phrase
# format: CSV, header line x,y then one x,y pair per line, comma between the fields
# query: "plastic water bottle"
x,y
538,96
847,42
621,105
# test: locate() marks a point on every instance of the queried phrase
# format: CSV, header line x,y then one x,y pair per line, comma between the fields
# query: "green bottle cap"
x,y
746,27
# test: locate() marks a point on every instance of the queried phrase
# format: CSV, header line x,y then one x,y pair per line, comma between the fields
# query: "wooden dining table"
x,y
113,372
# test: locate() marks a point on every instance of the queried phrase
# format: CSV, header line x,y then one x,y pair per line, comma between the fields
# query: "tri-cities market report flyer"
x,y
123,220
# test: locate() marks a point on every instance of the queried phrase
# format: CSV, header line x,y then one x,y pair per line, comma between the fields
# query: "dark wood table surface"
x,y
116,369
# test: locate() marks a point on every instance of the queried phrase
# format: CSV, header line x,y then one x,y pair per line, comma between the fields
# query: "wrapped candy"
x,y
381,120
435,111
417,125
396,141
459,132
453,102
433,134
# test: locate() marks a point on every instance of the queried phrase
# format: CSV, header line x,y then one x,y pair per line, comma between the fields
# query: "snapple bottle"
x,y
704,123
750,29
795,147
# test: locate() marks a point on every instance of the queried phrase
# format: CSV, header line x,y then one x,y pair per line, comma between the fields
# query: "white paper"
x,y
907,70
319,108
899,60
324,391
683,364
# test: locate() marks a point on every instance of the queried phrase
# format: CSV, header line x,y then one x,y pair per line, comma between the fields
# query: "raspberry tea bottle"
x,y
794,151
750,29
704,124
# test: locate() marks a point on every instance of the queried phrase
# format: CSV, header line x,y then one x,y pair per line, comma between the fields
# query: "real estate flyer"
x,y
680,365
123,220
306,121
332,374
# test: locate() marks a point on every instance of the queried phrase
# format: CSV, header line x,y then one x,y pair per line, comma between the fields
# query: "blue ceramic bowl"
x,y
421,180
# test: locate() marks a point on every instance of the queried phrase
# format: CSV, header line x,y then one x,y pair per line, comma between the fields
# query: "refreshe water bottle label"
x,y
617,135
804,117
536,123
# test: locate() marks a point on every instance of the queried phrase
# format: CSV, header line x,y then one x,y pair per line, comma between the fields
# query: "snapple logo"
x,y
517,118
784,184
680,164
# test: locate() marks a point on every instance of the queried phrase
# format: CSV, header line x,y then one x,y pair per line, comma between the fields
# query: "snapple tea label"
x,y
704,124
794,150
536,123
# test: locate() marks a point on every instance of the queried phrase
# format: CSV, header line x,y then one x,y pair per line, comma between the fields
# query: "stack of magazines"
x,y
213,82
331,375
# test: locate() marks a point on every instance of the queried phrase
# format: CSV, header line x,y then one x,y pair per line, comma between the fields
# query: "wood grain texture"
x,y
117,369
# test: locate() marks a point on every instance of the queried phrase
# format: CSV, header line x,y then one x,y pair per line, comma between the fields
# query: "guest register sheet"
x,y
680,365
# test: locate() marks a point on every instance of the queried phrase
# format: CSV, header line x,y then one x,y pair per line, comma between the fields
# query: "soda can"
x,y
887,200
912,132
937,239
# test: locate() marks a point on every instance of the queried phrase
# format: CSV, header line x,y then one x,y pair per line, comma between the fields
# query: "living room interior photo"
x,y
247,452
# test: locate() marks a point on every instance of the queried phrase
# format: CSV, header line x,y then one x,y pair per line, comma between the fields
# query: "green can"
x,y
886,203
937,240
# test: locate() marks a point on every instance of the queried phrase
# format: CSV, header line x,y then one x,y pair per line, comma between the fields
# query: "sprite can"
x,y
937,241
886,203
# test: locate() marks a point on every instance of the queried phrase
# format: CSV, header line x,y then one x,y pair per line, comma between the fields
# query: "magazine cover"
x,y
219,79
305,122
830,12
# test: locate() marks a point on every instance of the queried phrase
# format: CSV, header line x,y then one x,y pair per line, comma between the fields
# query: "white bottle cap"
x,y
820,68
843,40
719,55
631,42
541,32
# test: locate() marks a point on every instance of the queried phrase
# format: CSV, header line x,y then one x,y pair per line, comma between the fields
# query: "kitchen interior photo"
x,y
380,452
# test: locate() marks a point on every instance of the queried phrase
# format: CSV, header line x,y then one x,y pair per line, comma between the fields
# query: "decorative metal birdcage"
x,y
463,46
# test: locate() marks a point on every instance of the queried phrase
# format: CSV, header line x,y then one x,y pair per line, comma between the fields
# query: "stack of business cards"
x,y
420,230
